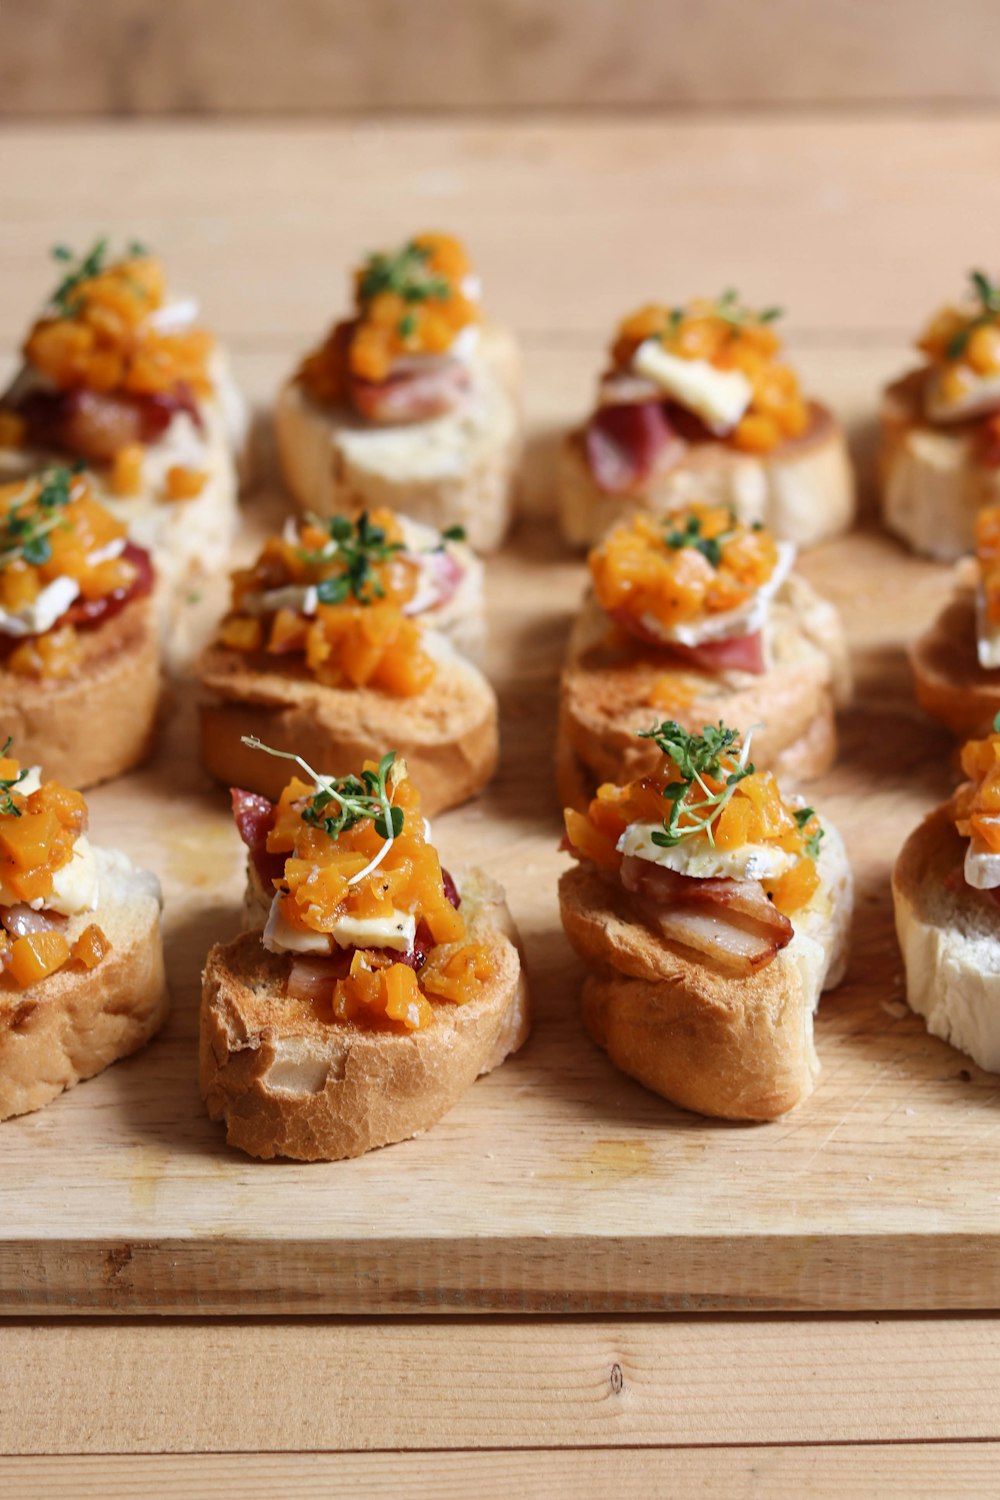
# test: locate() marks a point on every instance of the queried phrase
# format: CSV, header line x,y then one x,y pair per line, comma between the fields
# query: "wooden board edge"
x,y
903,1272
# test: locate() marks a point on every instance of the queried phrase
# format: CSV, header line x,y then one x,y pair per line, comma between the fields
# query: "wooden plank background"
x,y
124,57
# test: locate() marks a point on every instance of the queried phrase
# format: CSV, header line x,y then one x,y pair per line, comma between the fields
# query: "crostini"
x,y
119,374
79,644
946,893
371,990
81,956
410,403
700,616
956,663
696,405
330,648
711,912
940,456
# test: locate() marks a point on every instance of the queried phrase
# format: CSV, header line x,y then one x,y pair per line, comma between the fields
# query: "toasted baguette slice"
x,y
932,480
951,685
454,470
187,538
738,1048
289,1084
78,1021
949,936
98,723
447,734
605,697
803,491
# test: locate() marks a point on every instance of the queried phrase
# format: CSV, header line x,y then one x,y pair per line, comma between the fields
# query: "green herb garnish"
x,y
804,815
406,273
696,757
729,308
64,298
690,535
358,548
987,294
8,807
25,526
341,802
452,534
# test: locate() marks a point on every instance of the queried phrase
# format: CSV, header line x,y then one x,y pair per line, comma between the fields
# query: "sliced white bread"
x,y
76,1022
99,722
288,1083
932,480
737,1048
447,733
803,490
606,687
453,470
949,936
950,684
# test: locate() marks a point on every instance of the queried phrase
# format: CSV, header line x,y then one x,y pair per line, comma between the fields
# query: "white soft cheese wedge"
x,y
980,397
397,931
731,623
42,612
718,397
698,858
982,866
987,634
75,887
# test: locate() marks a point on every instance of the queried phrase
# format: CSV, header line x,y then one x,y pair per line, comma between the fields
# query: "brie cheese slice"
x,y
42,612
397,931
698,858
730,624
980,397
718,397
982,866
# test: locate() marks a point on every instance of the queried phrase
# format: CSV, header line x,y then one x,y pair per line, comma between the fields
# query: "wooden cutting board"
x,y
557,1184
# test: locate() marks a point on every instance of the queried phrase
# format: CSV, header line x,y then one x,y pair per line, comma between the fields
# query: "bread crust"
x,y
950,684
289,1084
606,685
447,734
98,723
949,936
455,470
76,1022
933,484
733,1047
803,490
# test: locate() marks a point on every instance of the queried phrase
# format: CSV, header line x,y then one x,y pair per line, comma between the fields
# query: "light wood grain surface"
x,y
329,57
576,1188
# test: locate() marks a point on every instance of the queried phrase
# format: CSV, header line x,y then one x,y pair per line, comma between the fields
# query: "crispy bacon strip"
x,y
730,921
625,443
410,395
96,425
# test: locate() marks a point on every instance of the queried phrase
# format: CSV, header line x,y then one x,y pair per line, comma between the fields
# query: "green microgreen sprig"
x,y
690,535
341,802
405,273
987,294
803,816
358,548
8,807
696,757
25,526
82,269
729,308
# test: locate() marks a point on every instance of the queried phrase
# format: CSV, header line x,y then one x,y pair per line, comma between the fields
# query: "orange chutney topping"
x,y
52,527
975,806
729,815
694,562
353,871
964,342
988,557
100,332
356,634
408,302
38,830
730,337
